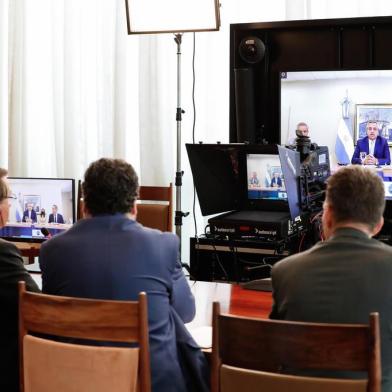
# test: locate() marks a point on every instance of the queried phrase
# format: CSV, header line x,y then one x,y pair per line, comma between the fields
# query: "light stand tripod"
x,y
186,16
179,173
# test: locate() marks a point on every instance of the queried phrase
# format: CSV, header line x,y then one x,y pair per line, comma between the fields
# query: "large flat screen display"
x,y
336,106
39,208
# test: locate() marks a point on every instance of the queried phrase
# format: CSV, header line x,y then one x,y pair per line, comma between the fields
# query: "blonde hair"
x,y
3,189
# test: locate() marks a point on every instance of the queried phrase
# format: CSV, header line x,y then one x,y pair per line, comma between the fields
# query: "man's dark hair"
x,y
110,186
356,194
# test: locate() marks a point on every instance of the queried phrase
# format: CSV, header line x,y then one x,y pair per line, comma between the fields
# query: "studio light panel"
x,y
160,16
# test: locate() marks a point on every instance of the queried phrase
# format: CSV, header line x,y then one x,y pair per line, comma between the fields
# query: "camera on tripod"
x,y
313,170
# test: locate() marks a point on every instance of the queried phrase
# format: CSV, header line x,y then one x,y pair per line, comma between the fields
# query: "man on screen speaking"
x,y
29,214
55,217
373,149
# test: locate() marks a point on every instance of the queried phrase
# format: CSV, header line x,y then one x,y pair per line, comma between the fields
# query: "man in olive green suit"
x,y
349,275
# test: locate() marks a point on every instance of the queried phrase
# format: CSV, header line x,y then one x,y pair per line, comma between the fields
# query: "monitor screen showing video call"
x,y
265,179
39,208
336,106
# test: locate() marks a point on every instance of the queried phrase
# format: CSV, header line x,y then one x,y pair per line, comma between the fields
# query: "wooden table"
x,y
29,250
233,299
250,303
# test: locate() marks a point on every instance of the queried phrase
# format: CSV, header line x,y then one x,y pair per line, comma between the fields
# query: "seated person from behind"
x,y
276,181
29,215
12,271
254,181
109,255
55,217
374,148
349,275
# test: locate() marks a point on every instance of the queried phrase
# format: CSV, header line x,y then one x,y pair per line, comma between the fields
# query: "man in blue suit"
x,y
55,217
276,181
108,255
374,148
29,215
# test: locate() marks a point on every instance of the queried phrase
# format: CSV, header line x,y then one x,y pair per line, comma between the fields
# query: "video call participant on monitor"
x,y
254,181
349,275
55,217
29,215
276,181
12,271
372,149
108,255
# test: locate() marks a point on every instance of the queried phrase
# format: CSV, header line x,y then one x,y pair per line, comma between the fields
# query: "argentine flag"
x,y
267,178
344,147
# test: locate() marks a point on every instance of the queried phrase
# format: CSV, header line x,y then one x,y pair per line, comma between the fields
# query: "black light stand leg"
x,y
179,173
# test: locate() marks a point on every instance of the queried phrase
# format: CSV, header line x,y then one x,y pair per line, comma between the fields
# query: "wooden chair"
x,y
256,355
47,365
156,215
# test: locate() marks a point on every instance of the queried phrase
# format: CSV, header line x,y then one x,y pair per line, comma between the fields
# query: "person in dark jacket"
x,y
12,271
346,277
108,255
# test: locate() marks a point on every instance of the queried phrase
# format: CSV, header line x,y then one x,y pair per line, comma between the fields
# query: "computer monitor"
x,y
39,208
265,177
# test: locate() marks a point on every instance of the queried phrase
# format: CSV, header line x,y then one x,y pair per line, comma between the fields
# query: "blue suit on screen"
x,y
114,257
33,216
381,150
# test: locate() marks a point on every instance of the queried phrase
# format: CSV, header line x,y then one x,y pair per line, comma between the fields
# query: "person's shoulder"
x,y
8,249
7,245
382,139
293,261
58,239
158,234
381,246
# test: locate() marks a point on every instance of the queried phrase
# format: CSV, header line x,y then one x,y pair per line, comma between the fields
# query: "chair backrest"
x,y
48,365
158,215
249,353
